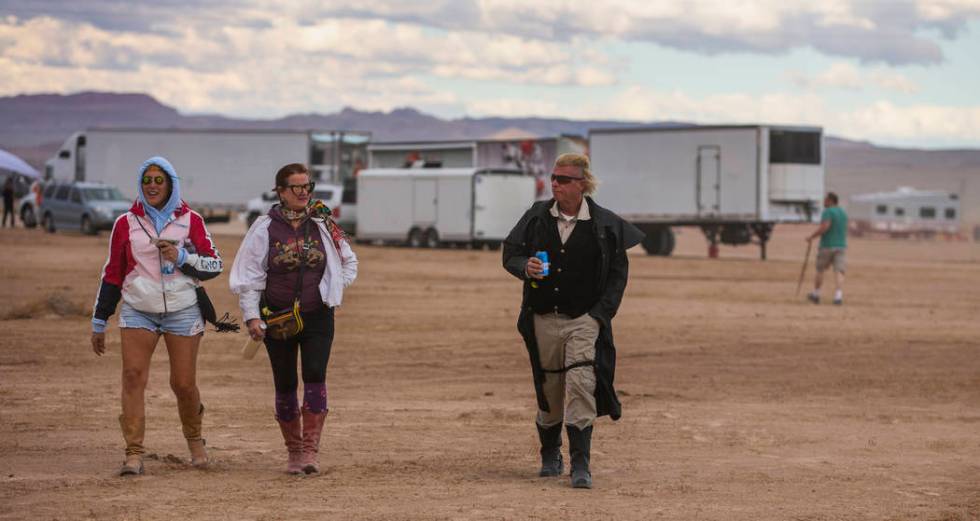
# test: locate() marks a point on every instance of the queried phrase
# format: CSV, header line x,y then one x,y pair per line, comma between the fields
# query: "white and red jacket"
x,y
133,272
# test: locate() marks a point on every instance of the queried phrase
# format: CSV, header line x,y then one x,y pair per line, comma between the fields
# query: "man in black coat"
x,y
566,315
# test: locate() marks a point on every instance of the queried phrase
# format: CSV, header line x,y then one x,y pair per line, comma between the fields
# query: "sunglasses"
x,y
300,189
158,179
564,179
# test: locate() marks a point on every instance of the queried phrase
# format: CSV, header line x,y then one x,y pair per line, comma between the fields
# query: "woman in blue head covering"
x,y
159,252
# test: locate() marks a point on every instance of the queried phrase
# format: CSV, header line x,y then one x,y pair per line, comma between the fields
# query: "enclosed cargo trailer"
x,y
433,207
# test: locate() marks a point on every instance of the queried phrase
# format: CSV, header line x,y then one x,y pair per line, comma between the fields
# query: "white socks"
x,y
839,295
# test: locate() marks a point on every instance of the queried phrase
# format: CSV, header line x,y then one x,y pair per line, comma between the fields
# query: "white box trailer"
x,y
220,170
434,206
731,181
906,212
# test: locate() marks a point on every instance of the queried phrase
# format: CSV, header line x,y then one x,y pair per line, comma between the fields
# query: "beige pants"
x,y
827,257
563,341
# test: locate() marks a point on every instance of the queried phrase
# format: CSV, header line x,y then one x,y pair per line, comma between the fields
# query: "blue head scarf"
x,y
160,217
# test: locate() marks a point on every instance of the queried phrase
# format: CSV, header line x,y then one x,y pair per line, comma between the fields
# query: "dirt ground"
x,y
741,401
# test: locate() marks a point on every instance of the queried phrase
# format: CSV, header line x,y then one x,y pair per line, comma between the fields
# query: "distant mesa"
x,y
34,126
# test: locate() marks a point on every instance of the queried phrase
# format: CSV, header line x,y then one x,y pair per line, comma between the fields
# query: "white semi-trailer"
x,y
430,207
220,170
733,182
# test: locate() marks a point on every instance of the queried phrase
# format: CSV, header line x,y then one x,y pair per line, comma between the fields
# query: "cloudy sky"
x,y
903,72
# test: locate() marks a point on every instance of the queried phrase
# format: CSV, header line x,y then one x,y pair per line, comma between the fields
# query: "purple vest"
x,y
285,251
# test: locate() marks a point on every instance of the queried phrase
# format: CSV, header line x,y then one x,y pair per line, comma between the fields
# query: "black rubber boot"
x,y
579,445
551,462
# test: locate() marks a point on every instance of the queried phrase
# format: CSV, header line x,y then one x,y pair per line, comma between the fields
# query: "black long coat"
x,y
614,236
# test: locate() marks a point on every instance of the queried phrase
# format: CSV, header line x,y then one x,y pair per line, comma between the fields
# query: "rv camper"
x,y
533,156
906,212
440,206
733,182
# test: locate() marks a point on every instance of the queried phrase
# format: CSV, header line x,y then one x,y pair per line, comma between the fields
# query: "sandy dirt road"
x,y
741,402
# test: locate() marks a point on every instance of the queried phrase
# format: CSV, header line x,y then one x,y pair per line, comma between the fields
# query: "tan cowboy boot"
x,y
133,429
190,421
292,434
312,427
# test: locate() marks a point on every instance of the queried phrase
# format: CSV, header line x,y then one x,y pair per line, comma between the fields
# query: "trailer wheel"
x,y
671,242
659,241
415,238
431,238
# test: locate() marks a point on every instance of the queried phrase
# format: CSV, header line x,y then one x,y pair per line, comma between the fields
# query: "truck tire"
x,y
414,238
27,217
47,222
431,238
87,227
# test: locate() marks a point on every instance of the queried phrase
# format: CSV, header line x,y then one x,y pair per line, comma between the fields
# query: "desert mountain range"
x,y
33,126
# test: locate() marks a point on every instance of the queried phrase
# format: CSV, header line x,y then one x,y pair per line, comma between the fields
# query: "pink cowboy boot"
x,y
312,427
292,434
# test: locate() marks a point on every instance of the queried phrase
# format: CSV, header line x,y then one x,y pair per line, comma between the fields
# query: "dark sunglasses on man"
x,y
564,179
154,179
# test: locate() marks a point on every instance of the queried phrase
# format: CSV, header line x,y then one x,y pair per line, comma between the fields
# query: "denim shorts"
x,y
185,322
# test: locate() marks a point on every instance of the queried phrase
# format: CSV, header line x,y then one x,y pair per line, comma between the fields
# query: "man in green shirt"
x,y
833,244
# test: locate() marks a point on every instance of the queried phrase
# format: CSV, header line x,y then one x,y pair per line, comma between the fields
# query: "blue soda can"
x,y
546,268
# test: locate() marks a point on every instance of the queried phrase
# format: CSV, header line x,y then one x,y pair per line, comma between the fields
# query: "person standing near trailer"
x,y
8,202
566,311
832,249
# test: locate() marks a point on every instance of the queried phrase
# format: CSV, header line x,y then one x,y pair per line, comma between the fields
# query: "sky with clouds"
x,y
901,72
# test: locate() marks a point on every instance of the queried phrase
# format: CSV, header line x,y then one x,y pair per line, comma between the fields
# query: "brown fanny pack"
x,y
285,324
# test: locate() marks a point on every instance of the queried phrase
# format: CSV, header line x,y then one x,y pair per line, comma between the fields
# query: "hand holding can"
x,y
545,265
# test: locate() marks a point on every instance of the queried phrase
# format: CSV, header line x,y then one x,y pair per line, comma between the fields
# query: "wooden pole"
x,y
806,260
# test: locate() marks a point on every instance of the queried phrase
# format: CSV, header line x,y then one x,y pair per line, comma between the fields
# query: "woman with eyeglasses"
x,y
295,261
159,252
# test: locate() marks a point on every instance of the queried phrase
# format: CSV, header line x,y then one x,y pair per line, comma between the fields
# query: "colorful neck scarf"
x,y
294,215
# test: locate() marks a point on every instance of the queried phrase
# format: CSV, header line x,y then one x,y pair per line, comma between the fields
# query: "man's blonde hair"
x,y
581,161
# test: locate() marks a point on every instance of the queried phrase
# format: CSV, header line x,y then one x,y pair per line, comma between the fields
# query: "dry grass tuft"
x,y
56,303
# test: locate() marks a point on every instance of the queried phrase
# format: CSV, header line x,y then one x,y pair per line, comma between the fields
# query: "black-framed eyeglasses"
x,y
564,179
150,179
300,189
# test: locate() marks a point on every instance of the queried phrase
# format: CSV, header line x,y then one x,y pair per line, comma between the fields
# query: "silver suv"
x,y
86,207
